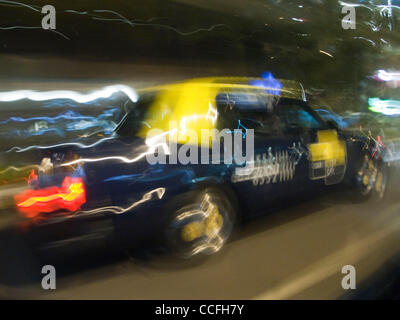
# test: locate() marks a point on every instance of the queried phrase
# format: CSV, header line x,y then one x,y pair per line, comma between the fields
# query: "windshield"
x,y
136,116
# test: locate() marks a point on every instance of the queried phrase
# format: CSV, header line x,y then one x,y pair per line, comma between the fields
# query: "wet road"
x,y
295,253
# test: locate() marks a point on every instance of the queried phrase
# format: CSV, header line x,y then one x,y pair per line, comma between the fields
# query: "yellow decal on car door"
x,y
328,155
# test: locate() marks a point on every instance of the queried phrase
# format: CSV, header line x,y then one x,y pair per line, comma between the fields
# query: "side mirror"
x,y
332,124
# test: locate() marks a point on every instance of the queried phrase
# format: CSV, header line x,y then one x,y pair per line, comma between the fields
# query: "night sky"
x,y
302,40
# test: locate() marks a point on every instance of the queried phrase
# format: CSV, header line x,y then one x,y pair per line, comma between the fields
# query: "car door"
x,y
268,176
324,155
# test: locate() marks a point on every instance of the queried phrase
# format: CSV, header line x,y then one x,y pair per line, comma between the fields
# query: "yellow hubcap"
x,y
213,223
192,231
209,227
365,180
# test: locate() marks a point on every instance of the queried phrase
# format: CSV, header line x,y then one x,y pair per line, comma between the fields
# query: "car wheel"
x,y
371,179
202,224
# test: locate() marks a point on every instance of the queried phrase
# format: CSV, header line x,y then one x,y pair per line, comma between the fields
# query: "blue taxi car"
x,y
134,187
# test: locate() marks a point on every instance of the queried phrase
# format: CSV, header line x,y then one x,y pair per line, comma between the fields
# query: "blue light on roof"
x,y
268,81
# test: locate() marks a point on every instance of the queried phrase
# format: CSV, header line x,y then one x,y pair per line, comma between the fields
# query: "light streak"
x,y
327,53
386,107
346,4
134,23
106,92
152,142
159,192
35,28
20,4
77,12
388,8
373,27
369,40
69,115
81,145
388,76
120,158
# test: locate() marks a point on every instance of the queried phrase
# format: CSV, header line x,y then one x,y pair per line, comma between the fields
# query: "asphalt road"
x,y
295,253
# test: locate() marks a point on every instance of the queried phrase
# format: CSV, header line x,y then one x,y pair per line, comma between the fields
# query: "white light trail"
x,y
159,192
346,4
388,76
327,53
134,23
369,40
106,92
7,2
151,150
34,28
81,145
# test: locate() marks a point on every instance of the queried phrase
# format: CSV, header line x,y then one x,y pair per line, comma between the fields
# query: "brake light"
x,y
71,196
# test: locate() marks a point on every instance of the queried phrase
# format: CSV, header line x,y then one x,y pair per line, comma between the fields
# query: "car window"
x,y
136,116
296,116
247,111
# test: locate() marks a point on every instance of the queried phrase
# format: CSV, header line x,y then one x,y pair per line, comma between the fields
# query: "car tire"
x,y
371,178
201,223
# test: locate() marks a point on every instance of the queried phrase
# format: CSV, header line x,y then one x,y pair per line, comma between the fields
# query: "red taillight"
x,y
70,197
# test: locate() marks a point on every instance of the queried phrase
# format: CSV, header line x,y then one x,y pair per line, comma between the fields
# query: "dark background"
x,y
152,38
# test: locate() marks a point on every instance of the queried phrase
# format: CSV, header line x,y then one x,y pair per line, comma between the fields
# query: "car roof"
x,y
274,87
193,103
